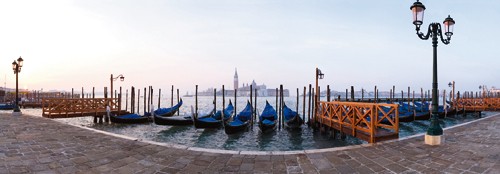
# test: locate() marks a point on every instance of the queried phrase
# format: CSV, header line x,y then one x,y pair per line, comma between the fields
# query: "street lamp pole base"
x,y
434,139
17,113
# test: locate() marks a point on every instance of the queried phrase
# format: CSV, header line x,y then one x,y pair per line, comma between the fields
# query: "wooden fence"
x,y
77,107
371,122
477,104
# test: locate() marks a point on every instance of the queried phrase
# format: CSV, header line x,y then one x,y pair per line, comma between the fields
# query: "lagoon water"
x,y
280,140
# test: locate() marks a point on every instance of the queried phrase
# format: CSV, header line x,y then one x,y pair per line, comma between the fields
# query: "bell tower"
x,y
235,78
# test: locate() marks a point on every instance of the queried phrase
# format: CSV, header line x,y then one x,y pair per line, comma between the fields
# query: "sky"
x,y
73,44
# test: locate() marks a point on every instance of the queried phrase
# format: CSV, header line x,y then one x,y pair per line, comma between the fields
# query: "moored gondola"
x,y
214,120
6,106
268,118
168,111
291,118
181,120
241,121
130,118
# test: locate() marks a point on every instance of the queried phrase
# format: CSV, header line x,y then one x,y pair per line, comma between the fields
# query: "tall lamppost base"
x,y
434,139
17,113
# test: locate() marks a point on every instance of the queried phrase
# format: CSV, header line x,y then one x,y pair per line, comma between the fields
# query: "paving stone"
x,y
396,168
345,169
246,167
321,163
470,149
293,169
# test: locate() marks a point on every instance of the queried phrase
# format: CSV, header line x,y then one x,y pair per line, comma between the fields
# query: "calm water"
x,y
280,140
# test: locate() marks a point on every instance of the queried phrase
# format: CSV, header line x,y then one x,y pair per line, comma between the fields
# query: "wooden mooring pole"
x,y
138,100
309,106
297,103
304,105
178,99
251,104
255,107
159,97
282,104
145,97
196,101
235,102
172,96
278,109
223,105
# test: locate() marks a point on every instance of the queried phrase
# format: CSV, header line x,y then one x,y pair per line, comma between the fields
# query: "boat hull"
x,y
294,123
422,115
174,120
267,127
118,119
231,129
207,124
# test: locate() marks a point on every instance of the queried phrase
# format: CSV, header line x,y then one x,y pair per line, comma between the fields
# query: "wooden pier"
x,y
78,107
477,104
361,120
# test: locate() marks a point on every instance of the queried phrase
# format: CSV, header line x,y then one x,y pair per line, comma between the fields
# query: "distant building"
x,y
235,79
494,90
244,90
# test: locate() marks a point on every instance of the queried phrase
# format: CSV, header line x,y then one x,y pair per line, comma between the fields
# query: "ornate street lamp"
x,y
319,75
121,77
434,132
16,66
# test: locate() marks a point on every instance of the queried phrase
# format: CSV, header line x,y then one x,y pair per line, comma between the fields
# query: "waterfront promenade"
x,y
32,144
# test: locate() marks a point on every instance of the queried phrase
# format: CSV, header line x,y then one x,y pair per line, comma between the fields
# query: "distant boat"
x,y
130,118
268,118
168,111
214,120
187,95
291,118
241,121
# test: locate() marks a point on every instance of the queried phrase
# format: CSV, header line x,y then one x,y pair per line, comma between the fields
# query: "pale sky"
x,y
74,44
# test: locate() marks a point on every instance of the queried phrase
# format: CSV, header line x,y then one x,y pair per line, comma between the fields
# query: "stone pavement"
x,y
30,144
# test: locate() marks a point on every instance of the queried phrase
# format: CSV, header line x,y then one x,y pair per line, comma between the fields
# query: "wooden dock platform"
x,y
367,121
78,107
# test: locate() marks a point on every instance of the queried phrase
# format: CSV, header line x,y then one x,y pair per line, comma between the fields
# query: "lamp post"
x,y
319,75
434,132
16,66
122,78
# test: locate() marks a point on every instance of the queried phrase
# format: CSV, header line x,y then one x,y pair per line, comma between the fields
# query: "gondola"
x,y
130,118
291,118
6,106
268,118
181,120
241,121
441,111
406,112
168,111
214,120
445,112
422,111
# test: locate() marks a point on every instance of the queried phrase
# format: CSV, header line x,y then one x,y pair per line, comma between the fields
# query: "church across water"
x,y
244,89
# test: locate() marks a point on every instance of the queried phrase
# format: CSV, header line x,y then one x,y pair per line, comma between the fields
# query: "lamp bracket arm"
x,y
440,33
422,35
115,78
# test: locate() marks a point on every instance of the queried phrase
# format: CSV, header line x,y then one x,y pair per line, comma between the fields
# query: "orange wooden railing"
x,y
477,104
356,116
77,106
